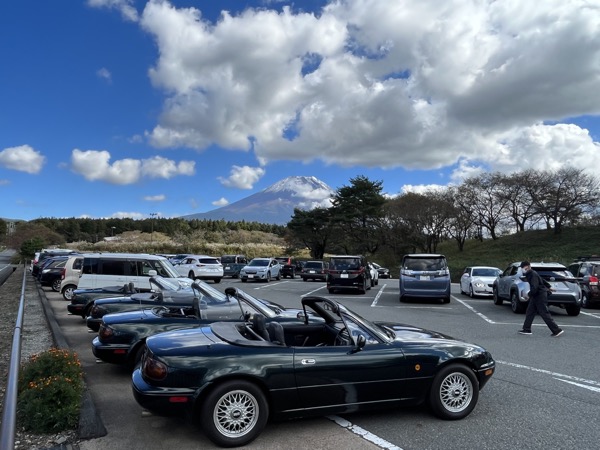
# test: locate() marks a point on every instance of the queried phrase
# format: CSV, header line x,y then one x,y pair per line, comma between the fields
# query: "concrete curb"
x,y
90,423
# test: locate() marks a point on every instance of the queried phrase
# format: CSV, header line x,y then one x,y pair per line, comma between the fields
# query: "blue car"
x,y
424,275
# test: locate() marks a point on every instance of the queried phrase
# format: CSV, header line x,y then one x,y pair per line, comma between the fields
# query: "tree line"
x,y
364,221
361,220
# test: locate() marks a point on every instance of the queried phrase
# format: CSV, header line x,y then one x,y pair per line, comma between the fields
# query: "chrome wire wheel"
x,y
456,392
236,413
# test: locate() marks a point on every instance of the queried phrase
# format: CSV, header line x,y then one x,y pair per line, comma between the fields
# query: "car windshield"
x,y
209,294
313,265
251,305
209,261
160,284
345,263
484,272
424,264
259,262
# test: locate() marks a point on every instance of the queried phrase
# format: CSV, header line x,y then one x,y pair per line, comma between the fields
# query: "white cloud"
x,y
422,188
125,7
242,177
418,84
155,198
221,202
22,158
128,215
105,74
95,165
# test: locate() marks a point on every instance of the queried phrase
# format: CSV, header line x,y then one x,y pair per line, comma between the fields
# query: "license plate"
x,y
425,277
344,275
226,267
250,276
312,271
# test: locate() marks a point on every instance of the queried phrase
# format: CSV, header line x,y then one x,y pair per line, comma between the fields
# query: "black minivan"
x,y
348,272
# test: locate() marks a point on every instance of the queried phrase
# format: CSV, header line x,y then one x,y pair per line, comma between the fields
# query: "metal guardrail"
x,y
9,411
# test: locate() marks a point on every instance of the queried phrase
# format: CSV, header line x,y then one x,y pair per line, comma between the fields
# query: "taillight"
x,y
62,274
154,369
593,280
105,332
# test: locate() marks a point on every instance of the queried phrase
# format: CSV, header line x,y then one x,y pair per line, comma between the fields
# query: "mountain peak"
x,y
276,203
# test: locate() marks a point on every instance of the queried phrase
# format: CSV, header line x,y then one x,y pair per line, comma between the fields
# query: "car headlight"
x,y
479,284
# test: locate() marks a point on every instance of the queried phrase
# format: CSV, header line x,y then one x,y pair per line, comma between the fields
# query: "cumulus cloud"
x,y
221,202
418,84
22,158
155,198
95,165
422,188
125,7
128,215
242,177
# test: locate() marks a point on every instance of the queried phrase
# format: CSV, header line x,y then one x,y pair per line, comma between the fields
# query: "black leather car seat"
x,y
259,325
276,334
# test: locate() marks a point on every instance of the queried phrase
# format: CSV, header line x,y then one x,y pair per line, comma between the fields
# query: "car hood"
x,y
144,297
135,315
484,279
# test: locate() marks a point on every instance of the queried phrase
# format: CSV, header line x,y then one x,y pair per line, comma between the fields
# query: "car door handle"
x,y
306,362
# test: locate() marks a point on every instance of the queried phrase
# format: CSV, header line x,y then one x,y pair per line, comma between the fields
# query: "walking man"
x,y
538,302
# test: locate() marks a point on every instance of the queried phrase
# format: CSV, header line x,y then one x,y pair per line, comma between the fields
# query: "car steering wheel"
x,y
342,337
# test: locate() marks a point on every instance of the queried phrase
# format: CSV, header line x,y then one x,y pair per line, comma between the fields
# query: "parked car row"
x,y
232,361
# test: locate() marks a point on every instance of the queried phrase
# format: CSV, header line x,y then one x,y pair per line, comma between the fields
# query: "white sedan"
x,y
478,280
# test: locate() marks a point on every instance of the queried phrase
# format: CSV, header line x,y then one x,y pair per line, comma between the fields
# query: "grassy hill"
x,y
538,245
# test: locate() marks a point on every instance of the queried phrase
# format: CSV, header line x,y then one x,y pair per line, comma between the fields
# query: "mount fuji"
x,y
275,204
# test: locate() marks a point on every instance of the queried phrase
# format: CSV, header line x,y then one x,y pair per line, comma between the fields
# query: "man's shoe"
x,y
558,333
525,332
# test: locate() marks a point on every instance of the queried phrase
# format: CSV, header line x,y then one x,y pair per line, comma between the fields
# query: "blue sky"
x,y
122,108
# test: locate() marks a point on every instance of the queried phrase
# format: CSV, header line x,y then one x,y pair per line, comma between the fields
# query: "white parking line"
x,y
552,374
376,299
312,292
380,442
266,285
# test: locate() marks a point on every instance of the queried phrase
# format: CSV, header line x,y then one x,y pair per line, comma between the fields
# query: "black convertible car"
x,y
231,377
168,292
122,335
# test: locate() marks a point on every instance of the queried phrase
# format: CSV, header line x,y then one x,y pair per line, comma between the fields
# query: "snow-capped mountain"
x,y
274,204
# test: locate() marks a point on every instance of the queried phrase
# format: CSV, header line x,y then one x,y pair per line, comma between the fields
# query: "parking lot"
x,y
545,393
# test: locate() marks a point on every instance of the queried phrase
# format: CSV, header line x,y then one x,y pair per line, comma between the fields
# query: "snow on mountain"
x,y
276,203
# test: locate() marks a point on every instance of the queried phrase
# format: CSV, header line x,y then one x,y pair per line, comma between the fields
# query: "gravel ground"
x,y
36,338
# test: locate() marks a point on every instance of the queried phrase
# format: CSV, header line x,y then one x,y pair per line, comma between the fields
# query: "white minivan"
x,y
97,270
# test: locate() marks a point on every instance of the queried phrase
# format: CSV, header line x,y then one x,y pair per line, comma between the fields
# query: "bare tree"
x,y
463,220
490,209
517,191
565,195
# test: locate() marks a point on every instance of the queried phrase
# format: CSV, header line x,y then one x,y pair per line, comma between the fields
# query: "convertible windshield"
x,y
163,284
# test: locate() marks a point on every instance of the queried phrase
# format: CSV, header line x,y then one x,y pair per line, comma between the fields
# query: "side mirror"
x,y
152,273
361,341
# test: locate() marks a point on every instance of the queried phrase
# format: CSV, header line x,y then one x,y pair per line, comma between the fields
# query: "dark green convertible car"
x,y
231,377
122,335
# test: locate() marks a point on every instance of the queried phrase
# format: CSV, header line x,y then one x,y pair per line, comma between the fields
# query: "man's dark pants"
x,y
539,305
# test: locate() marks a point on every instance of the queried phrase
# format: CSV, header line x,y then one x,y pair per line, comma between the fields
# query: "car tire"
x,y
304,279
217,280
573,310
293,275
516,306
268,277
234,397
244,280
446,299
585,301
497,299
67,291
87,310
278,277
56,285
454,392
471,293
402,298
331,290
192,275
137,356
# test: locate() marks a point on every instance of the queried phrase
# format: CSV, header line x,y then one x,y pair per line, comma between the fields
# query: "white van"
x,y
97,270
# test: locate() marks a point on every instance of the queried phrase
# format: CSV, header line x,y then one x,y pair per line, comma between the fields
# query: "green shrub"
x,y
50,389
